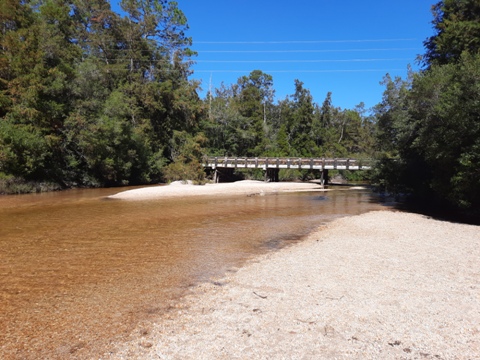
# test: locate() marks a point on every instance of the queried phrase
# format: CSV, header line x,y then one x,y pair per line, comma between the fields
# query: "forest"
x,y
90,98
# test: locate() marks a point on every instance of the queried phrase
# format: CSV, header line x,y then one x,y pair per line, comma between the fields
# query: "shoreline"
x,y
384,284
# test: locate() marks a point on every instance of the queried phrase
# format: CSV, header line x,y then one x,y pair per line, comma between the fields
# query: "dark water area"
x,y
78,272
440,210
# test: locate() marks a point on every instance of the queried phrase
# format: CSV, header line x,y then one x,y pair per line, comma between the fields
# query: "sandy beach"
x,y
382,285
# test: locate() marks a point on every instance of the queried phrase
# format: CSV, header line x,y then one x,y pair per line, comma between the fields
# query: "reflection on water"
x,y
78,272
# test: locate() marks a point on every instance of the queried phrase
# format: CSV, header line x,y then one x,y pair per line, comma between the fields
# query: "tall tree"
x,y
445,128
41,66
89,97
255,94
392,115
224,125
457,30
430,124
303,115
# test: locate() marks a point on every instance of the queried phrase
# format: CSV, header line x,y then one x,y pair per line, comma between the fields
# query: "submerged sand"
x,y
382,285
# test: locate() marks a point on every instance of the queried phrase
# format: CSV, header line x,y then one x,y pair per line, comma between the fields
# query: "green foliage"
x,y
23,150
243,121
89,97
254,93
289,175
239,115
13,185
445,116
457,30
92,98
357,176
283,146
428,133
187,154
301,121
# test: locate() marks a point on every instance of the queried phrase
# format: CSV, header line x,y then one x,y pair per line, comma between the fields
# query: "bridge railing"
x,y
287,163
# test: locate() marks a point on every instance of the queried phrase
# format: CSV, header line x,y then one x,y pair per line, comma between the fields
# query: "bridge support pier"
x,y
324,177
271,175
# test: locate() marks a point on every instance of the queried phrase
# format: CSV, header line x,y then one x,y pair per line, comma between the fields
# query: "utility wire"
x,y
274,42
263,61
300,71
303,41
301,51
299,61
193,72
268,51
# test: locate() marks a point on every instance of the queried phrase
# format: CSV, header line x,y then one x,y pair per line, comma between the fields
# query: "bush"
x,y
10,185
185,171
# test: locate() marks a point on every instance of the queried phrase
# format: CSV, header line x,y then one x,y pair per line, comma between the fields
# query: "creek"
x,y
79,272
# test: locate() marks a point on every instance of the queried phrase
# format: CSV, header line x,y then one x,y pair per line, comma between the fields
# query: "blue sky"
x,y
343,46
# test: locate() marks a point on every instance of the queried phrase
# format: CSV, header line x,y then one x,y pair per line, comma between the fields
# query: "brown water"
x,y
78,272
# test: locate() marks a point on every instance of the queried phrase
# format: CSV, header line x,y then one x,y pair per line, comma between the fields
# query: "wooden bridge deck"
x,y
287,163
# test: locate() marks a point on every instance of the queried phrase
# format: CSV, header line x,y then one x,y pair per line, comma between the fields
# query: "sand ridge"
x,y
382,285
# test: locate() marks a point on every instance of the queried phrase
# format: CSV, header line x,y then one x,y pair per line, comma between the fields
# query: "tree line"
x,y
89,97
428,125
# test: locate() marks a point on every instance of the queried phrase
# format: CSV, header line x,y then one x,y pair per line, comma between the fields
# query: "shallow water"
x,y
78,271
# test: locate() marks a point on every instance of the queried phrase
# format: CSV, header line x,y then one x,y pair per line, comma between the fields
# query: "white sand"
x,y
383,285
245,187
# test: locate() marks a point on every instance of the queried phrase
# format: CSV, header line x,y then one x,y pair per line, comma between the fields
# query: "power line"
x,y
301,71
299,61
302,51
303,41
266,51
274,42
263,61
192,72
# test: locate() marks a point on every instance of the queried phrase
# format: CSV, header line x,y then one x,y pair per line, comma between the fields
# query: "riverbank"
x,y
382,285
10,185
245,187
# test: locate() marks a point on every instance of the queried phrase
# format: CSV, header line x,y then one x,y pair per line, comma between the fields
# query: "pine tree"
x,y
457,30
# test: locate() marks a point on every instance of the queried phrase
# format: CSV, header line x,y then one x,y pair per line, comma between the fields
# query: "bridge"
x,y
224,166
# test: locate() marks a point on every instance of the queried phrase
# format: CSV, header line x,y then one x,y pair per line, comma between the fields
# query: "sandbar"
x,y
244,187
